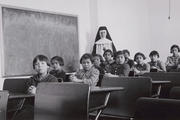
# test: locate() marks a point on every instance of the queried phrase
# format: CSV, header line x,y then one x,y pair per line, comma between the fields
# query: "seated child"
x,y
141,67
172,61
129,61
119,67
41,66
97,61
57,68
155,63
89,74
108,56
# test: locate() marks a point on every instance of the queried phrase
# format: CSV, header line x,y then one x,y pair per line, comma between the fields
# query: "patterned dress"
x,y
89,77
172,63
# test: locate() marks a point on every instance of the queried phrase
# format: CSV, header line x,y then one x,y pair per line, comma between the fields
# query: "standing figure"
x,y
103,42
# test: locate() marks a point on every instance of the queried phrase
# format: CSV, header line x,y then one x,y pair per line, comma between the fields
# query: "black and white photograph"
x,y
89,60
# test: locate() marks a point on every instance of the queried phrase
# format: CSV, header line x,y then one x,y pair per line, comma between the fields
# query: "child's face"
x,y
41,67
120,59
175,51
154,58
97,61
126,55
86,64
103,33
55,65
107,56
139,59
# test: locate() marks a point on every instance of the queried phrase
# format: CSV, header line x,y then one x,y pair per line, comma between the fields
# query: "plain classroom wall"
x,y
164,32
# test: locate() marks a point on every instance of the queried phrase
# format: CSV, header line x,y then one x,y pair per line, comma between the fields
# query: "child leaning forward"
x,y
88,74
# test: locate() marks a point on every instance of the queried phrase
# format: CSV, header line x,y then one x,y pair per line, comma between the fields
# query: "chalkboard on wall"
x,y
27,33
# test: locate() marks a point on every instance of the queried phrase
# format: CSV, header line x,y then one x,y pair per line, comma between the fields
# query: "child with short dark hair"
x,y
57,63
141,67
173,61
108,56
89,74
41,66
97,61
119,67
129,61
155,63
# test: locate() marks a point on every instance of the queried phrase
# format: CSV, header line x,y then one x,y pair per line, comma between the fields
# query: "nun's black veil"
x,y
98,38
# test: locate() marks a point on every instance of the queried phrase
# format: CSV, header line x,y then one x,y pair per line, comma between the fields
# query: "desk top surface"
x,y
160,82
106,89
20,95
92,90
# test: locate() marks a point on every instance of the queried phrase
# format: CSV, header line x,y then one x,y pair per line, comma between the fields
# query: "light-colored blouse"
x,y
172,62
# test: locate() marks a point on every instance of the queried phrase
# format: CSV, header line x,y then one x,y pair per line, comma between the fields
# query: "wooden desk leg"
x,y
105,104
98,114
159,90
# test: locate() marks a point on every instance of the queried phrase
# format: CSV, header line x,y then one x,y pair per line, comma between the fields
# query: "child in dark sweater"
x,y
57,68
41,66
119,67
98,63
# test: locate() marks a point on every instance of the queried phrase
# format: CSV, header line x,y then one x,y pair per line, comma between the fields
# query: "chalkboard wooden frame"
x,y
27,33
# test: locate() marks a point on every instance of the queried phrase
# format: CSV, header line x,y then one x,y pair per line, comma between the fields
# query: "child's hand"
x,y
32,89
110,75
153,67
136,71
171,63
72,77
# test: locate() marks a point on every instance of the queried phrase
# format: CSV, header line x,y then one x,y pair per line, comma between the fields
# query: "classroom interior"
x,y
136,25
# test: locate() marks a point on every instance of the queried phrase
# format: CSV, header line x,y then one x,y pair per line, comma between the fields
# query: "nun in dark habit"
x,y
103,42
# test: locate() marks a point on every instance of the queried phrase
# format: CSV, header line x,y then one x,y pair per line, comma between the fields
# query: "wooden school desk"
x,y
93,91
20,95
99,91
